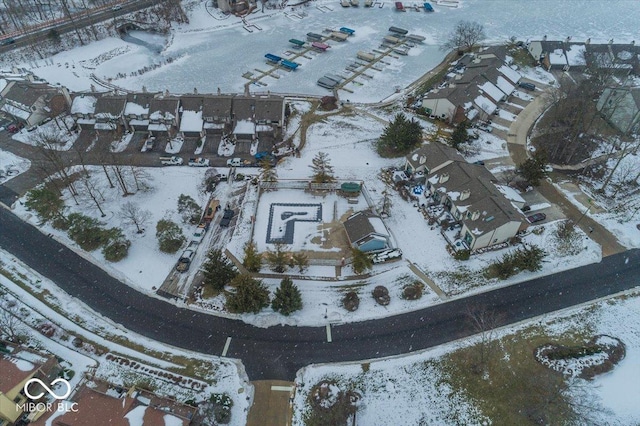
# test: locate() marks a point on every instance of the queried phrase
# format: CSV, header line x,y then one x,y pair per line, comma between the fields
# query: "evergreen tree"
x,y
534,168
170,236
360,261
399,137
287,298
252,258
459,135
250,295
278,258
269,173
218,271
118,246
45,202
189,209
301,261
322,170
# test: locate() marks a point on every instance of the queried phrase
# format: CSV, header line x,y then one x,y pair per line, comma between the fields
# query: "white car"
x,y
199,162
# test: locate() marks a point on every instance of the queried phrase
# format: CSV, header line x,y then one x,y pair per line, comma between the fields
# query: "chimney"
x,y
611,41
633,42
195,90
423,159
443,178
544,38
588,41
475,215
465,194
67,97
568,39
166,92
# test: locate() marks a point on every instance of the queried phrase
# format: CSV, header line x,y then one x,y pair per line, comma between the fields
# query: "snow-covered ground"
x,y
186,56
412,388
11,166
55,134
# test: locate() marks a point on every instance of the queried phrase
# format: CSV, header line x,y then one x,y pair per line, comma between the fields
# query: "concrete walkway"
x,y
517,146
271,403
441,294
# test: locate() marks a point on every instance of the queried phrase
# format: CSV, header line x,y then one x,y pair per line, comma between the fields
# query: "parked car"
x,y
199,162
171,161
226,217
538,217
7,41
185,260
527,86
13,128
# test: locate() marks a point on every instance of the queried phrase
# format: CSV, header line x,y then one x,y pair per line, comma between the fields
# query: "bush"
x,y
462,255
413,291
45,202
527,258
330,405
218,271
399,137
87,232
117,248
381,295
60,223
222,404
360,261
170,236
189,209
287,298
351,301
250,295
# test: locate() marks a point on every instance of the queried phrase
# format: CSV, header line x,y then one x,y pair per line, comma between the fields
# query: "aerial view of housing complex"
x,y
319,212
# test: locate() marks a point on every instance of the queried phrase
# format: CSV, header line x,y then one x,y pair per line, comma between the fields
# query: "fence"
x,y
303,184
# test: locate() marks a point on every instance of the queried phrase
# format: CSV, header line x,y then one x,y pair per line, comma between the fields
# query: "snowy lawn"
x,y
11,166
438,386
50,134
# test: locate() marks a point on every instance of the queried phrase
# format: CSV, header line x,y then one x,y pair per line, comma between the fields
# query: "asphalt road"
x,y
278,352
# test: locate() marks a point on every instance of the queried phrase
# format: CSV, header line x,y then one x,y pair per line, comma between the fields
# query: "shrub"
x,y
218,271
413,291
222,404
381,295
61,223
189,209
351,301
360,261
170,236
462,255
117,248
87,232
278,258
252,259
45,202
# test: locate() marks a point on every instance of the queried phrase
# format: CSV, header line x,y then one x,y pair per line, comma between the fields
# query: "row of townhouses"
x,y
474,88
245,117
488,213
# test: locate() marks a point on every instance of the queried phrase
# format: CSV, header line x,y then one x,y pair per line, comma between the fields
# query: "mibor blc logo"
x,y
48,406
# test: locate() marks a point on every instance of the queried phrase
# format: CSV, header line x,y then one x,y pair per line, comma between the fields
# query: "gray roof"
x,y
435,154
244,107
217,106
191,102
112,105
27,93
358,226
164,105
270,108
143,99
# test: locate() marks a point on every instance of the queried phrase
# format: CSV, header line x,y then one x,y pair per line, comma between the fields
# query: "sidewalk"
x,y
271,403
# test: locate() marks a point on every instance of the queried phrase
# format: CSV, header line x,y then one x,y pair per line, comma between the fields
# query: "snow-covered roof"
x,y
104,126
491,90
16,112
510,73
3,84
557,57
485,104
510,193
244,127
264,128
471,114
504,85
136,122
208,125
158,127
378,226
83,105
576,55
133,108
191,121
159,115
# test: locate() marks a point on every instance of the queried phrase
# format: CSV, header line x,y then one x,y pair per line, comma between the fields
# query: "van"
x,y
527,86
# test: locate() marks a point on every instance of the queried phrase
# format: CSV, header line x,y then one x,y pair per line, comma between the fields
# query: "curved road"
x,y
278,352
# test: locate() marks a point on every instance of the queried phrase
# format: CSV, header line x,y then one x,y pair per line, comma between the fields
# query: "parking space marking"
x,y
226,346
329,333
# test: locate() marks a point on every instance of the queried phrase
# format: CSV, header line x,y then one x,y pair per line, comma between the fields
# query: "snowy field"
x,y
190,47
412,388
11,166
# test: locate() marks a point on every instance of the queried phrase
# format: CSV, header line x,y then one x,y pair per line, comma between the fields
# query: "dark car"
x,y
226,217
538,217
13,128
7,41
527,86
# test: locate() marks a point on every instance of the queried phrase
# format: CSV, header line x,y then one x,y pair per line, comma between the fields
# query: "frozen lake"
x,y
210,53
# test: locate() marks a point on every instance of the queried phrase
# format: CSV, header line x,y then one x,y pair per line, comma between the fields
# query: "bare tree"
x,y
141,178
10,323
132,214
53,162
629,146
484,322
465,36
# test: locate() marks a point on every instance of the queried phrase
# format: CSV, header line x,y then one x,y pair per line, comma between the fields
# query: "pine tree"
x,y
301,261
250,295
45,202
278,259
170,236
534,169
399,137
189,209
252,259
322,170
218,271
360,261
287,298
269,173
459,135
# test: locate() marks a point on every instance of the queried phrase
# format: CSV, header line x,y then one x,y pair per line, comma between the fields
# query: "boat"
x,y
415,38
290,65
400,31
320,46
327,83
334,77
391,40
368,3
272,58
401,50
399,6
354,3
314,36
297,43
345,3
428,7
365,56
338,36
347,31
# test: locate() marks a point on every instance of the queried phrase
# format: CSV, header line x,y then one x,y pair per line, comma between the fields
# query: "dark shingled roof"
x,y
110,105
358,226
27,93
217,106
